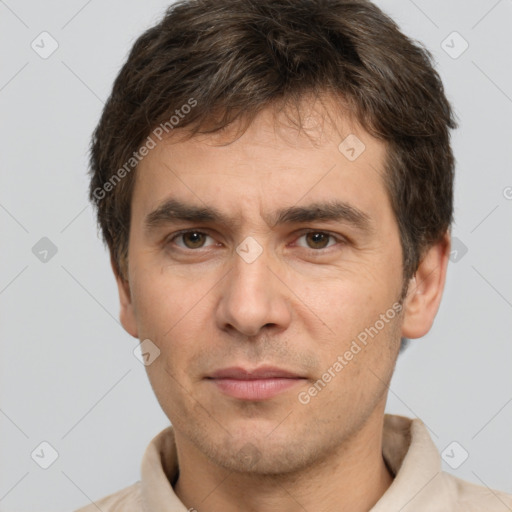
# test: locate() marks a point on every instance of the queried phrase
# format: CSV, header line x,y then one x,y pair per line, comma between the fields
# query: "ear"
x,y
127,314
425,290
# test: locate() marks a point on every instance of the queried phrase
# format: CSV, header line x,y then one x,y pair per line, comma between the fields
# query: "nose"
x,y
253,297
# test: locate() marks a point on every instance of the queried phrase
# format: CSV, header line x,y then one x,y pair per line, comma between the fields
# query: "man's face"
x,y
293,296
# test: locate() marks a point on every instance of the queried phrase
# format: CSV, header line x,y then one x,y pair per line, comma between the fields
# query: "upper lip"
x,y
263,372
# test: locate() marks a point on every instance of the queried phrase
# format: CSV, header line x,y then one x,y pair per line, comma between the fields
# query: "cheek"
x,y
357,370
161,300
153,307
353,302
175,314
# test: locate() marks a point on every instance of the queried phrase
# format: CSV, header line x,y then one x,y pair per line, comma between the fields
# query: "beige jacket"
x,y
419,485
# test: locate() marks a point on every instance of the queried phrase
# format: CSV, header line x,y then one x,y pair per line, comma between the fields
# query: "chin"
x,y
263,458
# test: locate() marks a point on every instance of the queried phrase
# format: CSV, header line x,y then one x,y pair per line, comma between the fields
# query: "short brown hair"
x,y
229,59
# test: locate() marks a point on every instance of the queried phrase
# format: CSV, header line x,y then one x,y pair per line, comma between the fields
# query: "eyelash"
x,y
338,238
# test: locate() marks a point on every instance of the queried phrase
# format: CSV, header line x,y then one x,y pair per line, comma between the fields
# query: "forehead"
x,y
316,154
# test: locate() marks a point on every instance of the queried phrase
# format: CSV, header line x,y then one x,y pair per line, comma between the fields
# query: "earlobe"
x,y
127,313
425,290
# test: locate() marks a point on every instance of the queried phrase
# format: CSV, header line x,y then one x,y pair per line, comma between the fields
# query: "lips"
x,y
264,372
254,384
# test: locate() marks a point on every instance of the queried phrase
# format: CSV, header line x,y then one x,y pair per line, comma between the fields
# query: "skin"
x,y
298,306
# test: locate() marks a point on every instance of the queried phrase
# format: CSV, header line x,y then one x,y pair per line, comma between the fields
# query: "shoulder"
x,y
471,497
125,500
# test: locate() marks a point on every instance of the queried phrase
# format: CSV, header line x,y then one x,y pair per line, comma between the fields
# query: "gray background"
x,y
68,375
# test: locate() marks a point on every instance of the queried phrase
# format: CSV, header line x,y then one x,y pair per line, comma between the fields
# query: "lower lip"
x,y
255,389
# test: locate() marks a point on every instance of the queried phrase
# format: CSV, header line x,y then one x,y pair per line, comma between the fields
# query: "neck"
x,y
352,479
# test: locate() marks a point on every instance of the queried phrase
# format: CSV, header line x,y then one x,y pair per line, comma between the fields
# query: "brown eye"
x,y
190,240
317,239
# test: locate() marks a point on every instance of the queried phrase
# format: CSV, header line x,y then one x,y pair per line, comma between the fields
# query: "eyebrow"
x,y
173,210
323,211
